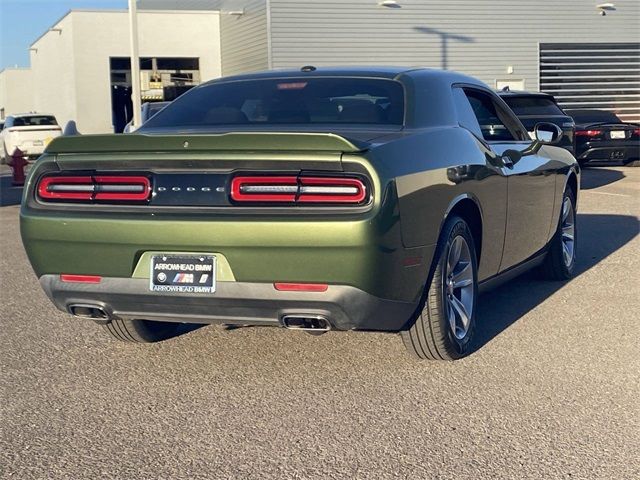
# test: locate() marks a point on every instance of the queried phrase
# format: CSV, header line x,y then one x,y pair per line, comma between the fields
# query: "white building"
x,y
80,66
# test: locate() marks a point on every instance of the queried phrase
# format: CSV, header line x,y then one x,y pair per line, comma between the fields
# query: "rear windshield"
x,y
593,116
292,101
532,106
34,121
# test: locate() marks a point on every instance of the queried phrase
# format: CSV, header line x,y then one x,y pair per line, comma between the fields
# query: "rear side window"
x,y
466,116
532,105
34,121
292,101
485,118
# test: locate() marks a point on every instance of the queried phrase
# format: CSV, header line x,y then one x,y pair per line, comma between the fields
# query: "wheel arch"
x,y
468,207
572,181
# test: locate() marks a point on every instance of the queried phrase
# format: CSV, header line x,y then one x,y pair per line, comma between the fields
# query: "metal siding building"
x,y
244,33
567,48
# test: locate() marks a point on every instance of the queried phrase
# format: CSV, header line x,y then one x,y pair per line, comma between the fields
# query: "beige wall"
x,y
53,81
70,72
15,91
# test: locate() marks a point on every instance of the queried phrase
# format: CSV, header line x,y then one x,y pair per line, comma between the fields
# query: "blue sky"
x,y
22,21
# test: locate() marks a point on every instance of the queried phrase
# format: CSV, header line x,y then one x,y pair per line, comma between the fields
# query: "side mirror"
x,y
547,133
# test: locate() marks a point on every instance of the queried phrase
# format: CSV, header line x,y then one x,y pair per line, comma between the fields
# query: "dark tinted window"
x,y
297,101
593,116
493,122
466,115
34,121
532,105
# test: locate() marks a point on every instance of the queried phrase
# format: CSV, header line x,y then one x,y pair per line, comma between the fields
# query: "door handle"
x,y
506,161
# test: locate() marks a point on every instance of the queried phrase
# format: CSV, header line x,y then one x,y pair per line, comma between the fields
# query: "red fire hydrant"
x,y
17,162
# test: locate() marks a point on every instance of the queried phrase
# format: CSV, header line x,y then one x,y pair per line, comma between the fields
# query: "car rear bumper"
x,y
344,307
611,153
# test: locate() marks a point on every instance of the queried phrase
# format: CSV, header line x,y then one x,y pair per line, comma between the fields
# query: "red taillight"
x,y
66,188
301,287
68,278
132,189
99,188
588,133
331,190
290,189
264,189
636,132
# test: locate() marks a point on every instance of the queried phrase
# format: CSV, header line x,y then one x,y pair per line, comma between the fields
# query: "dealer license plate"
x,y
183,273
617,134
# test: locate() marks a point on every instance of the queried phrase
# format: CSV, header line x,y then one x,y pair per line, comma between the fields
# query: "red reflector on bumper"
x,y
301,287
80,278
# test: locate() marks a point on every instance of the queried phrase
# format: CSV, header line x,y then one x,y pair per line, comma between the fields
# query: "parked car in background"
x,y
148,110
602,137
312,200
30,132
534,107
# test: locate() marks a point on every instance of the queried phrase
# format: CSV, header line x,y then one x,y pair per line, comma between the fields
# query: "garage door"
x,y
602,76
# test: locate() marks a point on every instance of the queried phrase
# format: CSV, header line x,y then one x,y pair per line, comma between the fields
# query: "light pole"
x,y
135,63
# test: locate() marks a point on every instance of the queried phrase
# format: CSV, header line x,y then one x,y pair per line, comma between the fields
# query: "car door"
x,y
531,180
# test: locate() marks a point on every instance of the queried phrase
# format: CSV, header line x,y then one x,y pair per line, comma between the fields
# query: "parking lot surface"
x,y
552,391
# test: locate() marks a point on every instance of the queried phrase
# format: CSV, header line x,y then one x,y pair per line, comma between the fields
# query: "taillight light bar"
x,y
298,190
95,187
588,133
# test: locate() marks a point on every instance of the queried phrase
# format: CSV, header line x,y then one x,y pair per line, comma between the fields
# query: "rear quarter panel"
x,y
434,168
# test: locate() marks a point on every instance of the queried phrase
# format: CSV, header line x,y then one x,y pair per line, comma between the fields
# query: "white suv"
x,y
30,132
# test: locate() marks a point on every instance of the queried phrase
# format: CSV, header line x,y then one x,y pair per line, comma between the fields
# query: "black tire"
x,y
142,331
431,336
632,163
555,266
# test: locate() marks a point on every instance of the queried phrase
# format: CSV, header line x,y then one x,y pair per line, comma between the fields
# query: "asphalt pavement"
x,y
551,393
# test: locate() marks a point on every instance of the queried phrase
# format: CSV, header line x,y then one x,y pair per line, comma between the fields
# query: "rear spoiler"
x,y
251,141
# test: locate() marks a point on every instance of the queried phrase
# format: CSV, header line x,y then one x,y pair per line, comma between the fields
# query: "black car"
x,y
533,108
602,137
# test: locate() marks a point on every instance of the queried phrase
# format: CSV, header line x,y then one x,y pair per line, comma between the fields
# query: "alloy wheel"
x,y
459,287
568,232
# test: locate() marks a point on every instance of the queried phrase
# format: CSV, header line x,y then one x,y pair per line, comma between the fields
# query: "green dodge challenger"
x,y
377,199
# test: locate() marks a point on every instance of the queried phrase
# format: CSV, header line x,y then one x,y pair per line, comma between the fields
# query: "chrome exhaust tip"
x,y
307,323
89,312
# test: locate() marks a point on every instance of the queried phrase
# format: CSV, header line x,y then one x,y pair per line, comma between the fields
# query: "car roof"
x,y
385,72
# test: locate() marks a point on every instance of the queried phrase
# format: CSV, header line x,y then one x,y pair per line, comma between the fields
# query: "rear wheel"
x,y
142,331
561,257
444,328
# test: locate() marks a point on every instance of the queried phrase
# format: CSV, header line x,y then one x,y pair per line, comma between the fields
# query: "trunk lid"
x,y
198,169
